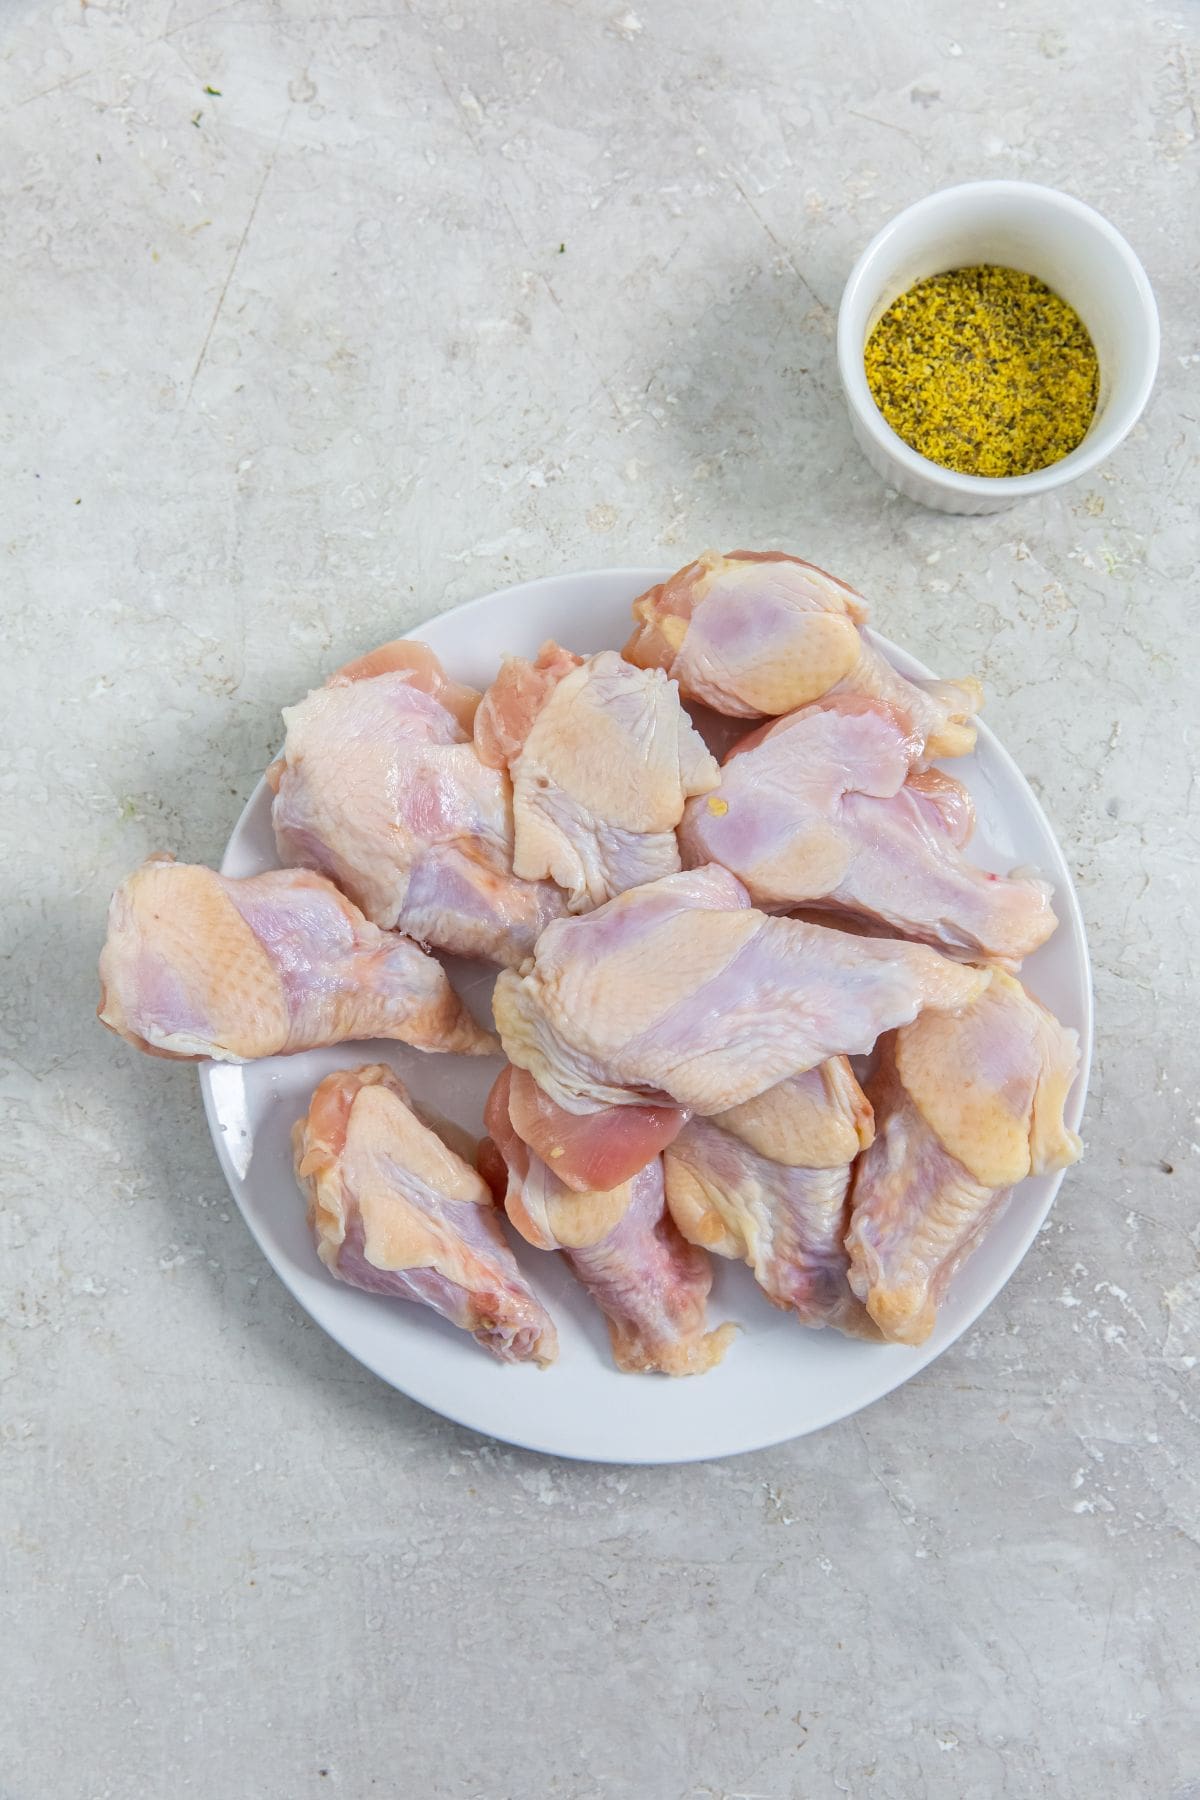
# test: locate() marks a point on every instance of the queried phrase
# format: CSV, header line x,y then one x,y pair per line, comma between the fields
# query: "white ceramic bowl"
x,y
1020,226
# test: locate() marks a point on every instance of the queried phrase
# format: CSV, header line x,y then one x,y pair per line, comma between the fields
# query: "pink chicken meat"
x,y
198,964
379,787
396,1211
825,808
621,1245
965,1108
760,632
591,1150
602,759
680,994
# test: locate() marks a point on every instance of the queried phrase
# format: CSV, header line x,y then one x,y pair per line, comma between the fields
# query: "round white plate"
x,y
778,1380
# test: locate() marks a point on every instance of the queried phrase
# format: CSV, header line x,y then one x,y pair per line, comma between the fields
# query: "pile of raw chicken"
x,y
691,953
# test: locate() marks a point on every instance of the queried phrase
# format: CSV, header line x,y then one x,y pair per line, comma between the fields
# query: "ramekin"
x,y
1041,232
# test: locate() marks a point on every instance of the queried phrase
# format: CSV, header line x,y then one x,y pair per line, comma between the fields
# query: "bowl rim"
x,y
1093,449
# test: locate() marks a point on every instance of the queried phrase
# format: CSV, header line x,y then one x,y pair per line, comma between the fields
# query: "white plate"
x,y
778,1380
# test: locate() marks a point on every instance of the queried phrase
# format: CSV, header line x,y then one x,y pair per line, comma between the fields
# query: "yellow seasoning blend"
x,y
985,371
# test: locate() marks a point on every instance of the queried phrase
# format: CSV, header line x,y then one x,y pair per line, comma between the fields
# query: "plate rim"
x,y
1067,899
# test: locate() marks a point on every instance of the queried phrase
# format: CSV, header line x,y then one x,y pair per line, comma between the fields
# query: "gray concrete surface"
x,y
429,298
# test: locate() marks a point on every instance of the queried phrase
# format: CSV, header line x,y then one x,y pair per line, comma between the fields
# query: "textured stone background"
x,y
430,298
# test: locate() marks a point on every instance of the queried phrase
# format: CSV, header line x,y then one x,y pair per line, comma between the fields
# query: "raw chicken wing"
x,y
762,632
396,1211
823,807
767,1184
602,758
965,1107
624,1249
197,964
379,788
680,993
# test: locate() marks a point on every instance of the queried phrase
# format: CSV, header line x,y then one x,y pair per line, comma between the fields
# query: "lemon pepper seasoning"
x,y
984,370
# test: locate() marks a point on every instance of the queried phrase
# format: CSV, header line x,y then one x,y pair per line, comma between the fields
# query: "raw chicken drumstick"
x,y
964,1108
762,632
680,994
767,1184
823,807
197,964
602,758
623,1248
396,1211
379,788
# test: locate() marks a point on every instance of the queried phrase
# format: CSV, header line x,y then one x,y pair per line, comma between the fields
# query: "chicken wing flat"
x,y
602,758
680,993
379,787
767,1184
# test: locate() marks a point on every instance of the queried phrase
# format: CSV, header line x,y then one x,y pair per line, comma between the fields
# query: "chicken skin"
x,y
760,632
198,964
379,787
965,1108
602,758
680,993
622,1246
767,1184
824,808
394,1210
